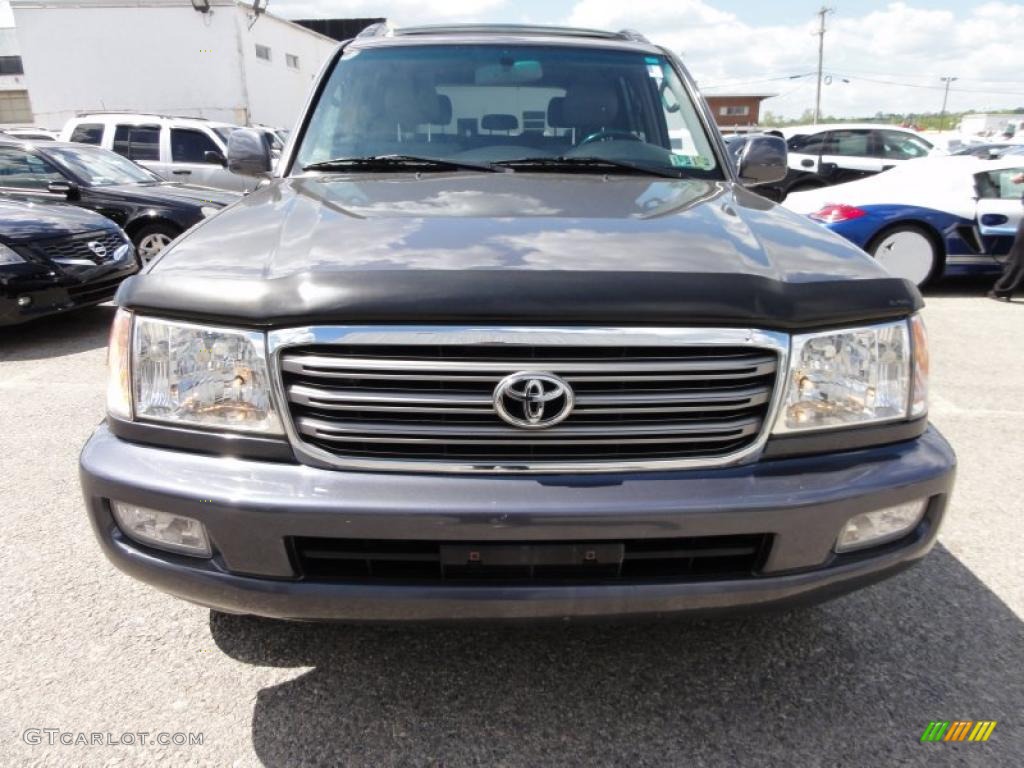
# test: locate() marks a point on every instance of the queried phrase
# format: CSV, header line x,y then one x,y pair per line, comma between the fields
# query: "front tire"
x,y
907,251
151,239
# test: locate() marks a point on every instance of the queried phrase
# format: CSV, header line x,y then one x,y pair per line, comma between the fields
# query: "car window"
x,y
848,143
189,146
23,170
137,142
88,133
896,145
97,167
999,185
805,144
489,103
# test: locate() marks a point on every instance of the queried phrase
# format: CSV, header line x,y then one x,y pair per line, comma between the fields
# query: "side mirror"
x,y
248,154
67,188
214,157
763,161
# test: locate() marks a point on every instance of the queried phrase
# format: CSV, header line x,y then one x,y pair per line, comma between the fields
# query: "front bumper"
x,y
252,508
37,291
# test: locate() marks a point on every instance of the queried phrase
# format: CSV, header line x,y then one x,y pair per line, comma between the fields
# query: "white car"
x,y
184,149
823,155
952,215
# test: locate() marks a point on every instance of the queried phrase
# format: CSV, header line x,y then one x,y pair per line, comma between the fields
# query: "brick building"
x,y
737,110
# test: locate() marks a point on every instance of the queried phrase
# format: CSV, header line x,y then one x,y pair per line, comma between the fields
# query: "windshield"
x,y
98,167
488,104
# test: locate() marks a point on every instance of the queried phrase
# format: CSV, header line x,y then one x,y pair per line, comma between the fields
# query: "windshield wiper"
x,y
584,164
398,162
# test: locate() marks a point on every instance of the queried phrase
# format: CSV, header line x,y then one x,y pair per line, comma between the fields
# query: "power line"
x,y
732,84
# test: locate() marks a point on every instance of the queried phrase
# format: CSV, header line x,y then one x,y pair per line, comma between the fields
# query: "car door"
x,y
26,176
896,147
849,154
189,161
804,151
999,208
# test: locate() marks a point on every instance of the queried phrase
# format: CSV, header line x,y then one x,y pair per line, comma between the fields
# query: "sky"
x,y
880,56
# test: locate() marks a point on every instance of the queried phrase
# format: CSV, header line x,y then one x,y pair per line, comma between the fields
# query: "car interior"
x,y
489,104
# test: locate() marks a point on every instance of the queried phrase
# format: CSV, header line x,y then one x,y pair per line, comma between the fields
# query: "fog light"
x,y
24,301
164,530
869,529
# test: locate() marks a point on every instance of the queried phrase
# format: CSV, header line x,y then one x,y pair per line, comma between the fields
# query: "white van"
x,y
186,149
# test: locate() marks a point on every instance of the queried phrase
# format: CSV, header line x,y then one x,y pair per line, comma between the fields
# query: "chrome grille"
x,y
662,403
76,248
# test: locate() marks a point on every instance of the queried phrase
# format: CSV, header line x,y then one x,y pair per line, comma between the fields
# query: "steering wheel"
x,y
607,134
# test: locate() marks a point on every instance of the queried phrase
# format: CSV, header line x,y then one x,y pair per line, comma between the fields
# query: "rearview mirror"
x,y
763,161
214,157
248,154
67,188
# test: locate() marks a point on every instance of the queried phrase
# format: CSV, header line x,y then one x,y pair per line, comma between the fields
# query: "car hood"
x,y
512,247
23,222
170,192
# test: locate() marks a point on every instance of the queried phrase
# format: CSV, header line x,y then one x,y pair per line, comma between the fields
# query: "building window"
x,y
11,65
734,111
291,60
263,52
15,107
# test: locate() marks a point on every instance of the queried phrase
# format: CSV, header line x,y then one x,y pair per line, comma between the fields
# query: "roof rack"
x,y
386,30
92,112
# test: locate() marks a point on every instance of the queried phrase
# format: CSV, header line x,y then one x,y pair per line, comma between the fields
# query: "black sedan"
x,y
151,210
55,257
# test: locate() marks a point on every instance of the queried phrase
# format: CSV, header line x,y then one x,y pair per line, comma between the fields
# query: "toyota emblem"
x,y
533,400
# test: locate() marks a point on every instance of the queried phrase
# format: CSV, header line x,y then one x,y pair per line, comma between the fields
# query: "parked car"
x,y
824,155
952,215
984,151
152,211
177,148
55,258
30,134
505,337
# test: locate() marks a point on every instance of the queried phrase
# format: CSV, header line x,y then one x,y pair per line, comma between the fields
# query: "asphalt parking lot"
x,y
849,683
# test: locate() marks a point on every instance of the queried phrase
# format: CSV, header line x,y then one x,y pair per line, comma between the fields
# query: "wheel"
x,y
907,251
153,238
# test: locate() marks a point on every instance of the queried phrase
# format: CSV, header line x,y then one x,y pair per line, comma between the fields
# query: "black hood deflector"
x,y
524,298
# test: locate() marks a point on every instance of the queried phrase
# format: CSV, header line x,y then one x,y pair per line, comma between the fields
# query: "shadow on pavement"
x,y
58,335
853,682
961,286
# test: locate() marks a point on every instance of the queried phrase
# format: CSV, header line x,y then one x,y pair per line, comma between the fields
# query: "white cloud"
x,y
405,12
905,42
901,43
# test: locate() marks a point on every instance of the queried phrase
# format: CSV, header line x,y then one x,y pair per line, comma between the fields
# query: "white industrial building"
x,y
205,58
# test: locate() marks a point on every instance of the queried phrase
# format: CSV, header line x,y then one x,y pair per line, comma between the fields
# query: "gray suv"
x,y
506,335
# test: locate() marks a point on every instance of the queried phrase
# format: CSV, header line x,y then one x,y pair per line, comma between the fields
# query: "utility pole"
x,y
821,55
945,99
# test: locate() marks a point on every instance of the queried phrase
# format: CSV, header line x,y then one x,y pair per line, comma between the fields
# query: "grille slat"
x,y
433,403
76,247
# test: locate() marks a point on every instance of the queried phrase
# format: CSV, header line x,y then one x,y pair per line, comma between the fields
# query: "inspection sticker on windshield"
x,y
655,71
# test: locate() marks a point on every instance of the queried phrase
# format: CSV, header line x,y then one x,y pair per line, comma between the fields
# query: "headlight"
x,y
847,378
193,375
208,210
9,256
